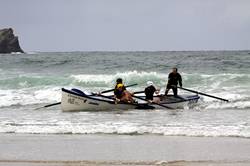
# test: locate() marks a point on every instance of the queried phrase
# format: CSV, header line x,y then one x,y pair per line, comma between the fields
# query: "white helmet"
x,y
149,83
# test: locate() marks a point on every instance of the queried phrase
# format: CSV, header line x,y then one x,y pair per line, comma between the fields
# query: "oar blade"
x,y
197,92
52,104
49,105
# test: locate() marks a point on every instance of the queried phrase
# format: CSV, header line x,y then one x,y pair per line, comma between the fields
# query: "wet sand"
x,y
41,150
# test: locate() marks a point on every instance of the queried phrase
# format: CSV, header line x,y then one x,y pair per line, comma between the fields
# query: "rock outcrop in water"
x,y
9,42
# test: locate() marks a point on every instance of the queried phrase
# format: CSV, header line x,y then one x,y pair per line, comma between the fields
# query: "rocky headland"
x,y
9,42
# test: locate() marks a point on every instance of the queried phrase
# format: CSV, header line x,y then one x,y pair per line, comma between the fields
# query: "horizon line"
x,y
142,51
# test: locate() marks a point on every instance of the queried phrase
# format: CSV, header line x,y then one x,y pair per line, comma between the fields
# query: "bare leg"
x,y
127,97
156,100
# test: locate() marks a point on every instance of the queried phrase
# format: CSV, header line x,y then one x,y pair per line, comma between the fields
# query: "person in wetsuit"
x,y
174,78
149,91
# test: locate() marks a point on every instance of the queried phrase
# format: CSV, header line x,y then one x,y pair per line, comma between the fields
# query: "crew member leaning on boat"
x,y
121,94
149,92
173,79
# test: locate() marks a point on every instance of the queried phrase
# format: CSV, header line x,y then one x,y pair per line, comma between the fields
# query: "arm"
x,y
156,90
169,77
180,80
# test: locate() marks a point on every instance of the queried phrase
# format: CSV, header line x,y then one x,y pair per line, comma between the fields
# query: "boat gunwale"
x,y
102,100
194,97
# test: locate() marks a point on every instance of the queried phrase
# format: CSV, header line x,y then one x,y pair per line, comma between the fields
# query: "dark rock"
x,y
9,42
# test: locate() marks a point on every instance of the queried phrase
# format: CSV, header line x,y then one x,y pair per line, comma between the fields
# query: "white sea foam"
x,y
51,94
128,77
27,97
130,129
16,53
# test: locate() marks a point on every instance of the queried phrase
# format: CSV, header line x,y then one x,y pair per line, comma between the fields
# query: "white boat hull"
x,y
79,101
74,102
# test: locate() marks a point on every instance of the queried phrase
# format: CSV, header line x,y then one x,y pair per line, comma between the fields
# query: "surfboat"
x,y
77,100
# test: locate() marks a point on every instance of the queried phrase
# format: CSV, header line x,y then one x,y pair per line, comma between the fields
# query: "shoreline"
x,y
122,163
30,149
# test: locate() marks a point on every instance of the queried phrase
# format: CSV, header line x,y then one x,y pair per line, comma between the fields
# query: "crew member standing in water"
x,y
173,79
121,94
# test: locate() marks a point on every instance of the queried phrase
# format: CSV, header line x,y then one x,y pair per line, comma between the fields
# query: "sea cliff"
x,y
9,42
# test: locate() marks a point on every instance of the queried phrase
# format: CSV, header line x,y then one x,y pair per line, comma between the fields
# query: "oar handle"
x,y
138,92
112,98
107,97
106,91
154,102
190,90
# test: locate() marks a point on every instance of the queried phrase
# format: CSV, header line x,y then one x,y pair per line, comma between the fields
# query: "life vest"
x,y
119,89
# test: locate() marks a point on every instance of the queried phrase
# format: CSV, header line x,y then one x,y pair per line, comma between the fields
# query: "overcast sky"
x,y
128,25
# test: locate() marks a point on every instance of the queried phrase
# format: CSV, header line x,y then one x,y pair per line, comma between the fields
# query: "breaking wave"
x,y
31,89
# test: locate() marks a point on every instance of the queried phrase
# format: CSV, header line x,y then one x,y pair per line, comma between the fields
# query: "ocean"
x,y
32,80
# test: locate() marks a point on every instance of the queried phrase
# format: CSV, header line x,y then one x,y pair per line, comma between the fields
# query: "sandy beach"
x,y
20,150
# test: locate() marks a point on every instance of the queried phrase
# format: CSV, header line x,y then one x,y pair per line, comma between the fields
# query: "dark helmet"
x,y
175,69
119,80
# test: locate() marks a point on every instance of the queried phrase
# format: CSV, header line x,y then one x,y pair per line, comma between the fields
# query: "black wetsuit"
x,y
174,79
118,93
149,92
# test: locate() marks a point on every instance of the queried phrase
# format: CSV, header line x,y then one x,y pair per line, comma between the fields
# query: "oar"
x,y
52,104
112,98
190,90
106,91
154,102
138,92
107,97
49,105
